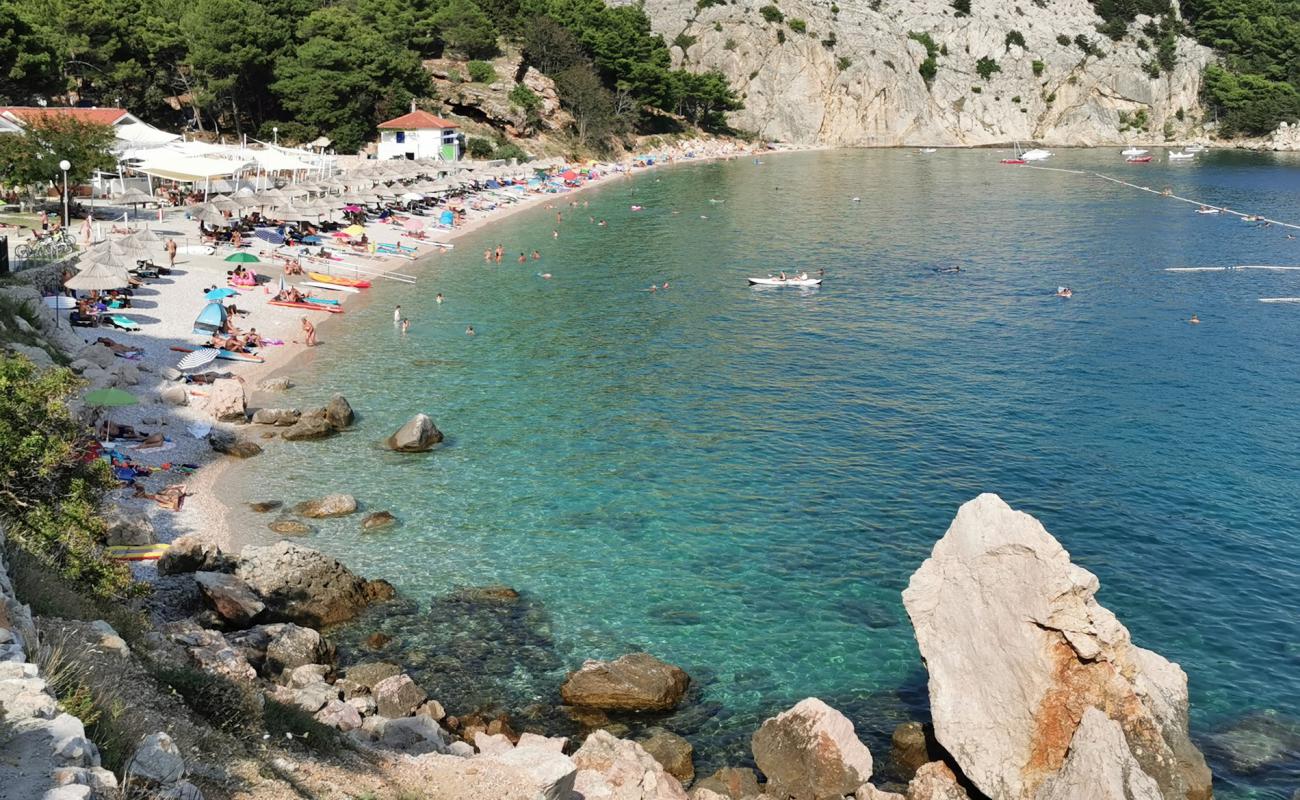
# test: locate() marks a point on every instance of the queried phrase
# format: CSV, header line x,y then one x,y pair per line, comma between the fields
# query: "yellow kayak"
x,y
141,552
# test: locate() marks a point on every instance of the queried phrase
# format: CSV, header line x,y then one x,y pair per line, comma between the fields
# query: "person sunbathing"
x,y
170,498
111,430
253,338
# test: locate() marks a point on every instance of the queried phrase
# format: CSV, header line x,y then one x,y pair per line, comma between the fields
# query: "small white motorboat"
x,y
1133,151
1181,156
1195,148
806,283
1036,155
1207,210
927,150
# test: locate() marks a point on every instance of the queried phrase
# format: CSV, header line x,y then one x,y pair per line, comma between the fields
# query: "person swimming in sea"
x,y
1195,320
406,325
523,259
438,299
537,255
1064,291
469,330
544,275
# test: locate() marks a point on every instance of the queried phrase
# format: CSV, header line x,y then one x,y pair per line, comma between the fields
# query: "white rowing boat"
x,y
1133,151
1279,299
801,282
1181,156
332,287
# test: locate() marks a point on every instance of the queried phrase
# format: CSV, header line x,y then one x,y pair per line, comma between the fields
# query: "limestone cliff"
x,y
849,72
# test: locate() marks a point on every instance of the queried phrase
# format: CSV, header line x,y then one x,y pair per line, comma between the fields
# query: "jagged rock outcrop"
x,y
1018,651
302,585
491,102
810,752
610,768
854,77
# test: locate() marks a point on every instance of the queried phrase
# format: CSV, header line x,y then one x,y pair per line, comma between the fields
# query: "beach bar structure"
x,y
419,135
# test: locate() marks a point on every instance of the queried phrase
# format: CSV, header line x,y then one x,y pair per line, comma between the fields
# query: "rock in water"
x,y
618,769
416,436
810,752
302,585
309,426
672,751
331,505
290,527
1015,641
232,445
339,412
282,417
377,520
230,597
635,682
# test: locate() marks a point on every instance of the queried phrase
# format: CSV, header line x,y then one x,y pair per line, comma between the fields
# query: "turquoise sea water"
x,y
741,481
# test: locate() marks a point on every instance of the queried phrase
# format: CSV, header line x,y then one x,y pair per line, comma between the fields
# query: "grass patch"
x,y
284,720
11,313
228,706
101,711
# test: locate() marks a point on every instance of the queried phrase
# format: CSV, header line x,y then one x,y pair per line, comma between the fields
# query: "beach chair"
x,y
79,320
121,323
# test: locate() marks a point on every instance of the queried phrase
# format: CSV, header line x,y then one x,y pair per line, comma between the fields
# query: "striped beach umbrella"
x,y
198,358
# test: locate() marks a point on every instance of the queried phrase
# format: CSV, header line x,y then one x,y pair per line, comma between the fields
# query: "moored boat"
x,y
772,281
338,280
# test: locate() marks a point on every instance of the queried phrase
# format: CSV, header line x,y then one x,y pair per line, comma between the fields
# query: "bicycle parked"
x,y
54,245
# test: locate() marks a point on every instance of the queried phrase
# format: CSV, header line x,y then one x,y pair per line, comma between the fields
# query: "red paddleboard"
x,y
308,306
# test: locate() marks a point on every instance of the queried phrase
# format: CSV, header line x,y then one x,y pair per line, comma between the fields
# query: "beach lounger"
x,y
121,323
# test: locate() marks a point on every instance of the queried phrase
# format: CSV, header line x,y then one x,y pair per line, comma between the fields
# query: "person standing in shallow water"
x,y
397,314
309,332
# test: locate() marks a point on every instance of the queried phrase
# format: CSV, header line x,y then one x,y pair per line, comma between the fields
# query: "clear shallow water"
x,y
741,481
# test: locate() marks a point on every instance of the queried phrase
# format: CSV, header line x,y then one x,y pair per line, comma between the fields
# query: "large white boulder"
x,y
1018,650
810,752
610,768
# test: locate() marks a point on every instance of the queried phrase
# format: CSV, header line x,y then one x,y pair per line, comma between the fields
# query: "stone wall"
x,y
46,753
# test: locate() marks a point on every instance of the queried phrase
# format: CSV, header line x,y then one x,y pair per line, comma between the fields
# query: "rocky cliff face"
x,y
853,74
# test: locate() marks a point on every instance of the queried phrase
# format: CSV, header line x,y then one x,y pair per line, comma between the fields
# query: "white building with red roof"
x,y
419,135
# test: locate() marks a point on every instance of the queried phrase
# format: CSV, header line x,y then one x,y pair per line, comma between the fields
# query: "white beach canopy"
x,y
99,277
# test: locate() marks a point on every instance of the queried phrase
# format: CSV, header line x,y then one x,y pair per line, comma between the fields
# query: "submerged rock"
x,y
1014,638
338,411
416,436
635,682
378,520
810,752
671,751
331,505
290,527
1258,741
309,426
910,748
263,506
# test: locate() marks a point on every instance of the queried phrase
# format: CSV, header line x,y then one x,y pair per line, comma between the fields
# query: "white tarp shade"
x,y
140,134
189,168
274,160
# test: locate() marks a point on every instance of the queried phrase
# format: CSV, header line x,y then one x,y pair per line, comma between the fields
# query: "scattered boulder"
x,y
308,427
338,714
910,748
275,385
398,696
378,520
1010,631
171,374
635,682
230,597
193,553
490,744
313,697
226,401
211,652
157,760
414,735
263,506
810,752
339,412
290,527
127,529
174,395
293,646
101,355
433,710
936,781
734,782
416,436
370,673
181,790
302,585
231,445
868,792
331,505
308,674
619,769
671,751
281,417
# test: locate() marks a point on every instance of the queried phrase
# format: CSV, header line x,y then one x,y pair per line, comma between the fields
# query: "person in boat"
x,y
1064,291
803,276
1195,320
783,277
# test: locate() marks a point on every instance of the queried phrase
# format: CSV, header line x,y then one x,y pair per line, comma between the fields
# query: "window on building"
x,y
401,137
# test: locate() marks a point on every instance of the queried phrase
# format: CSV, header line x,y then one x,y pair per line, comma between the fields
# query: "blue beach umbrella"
x,y
218,294
313,239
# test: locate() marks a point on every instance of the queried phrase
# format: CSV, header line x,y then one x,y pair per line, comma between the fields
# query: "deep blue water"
x,y
741,481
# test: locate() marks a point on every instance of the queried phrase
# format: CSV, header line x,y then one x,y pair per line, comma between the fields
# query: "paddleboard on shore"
x,y
196,249
333,287
144,552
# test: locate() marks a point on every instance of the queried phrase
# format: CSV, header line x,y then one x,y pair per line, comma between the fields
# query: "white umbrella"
x,y
133,196
99,277
198,358
210,215
104,258
223,203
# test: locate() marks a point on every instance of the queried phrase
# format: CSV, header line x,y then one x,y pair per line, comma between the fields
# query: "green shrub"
x,y
1249,104
986,66
481,71
1016,99
283,721
703,4
962,7
510,150
730,44
1062,40
1038,67
843,62
684,41
771,13
1085,44
930,66
976,90
1115,29
1014,37
798,25
835,9
830,41
49,493
476,147
1051,98
780,36
1152,69
1143,44
523,97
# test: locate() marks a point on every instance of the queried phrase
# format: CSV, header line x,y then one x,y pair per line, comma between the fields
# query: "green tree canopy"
x,y
29,58
466,29
33,158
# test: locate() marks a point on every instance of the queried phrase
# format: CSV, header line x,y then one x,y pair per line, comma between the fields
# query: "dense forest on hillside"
x,y
246,66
